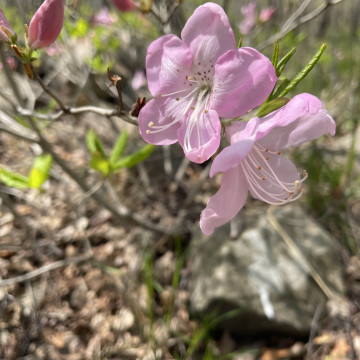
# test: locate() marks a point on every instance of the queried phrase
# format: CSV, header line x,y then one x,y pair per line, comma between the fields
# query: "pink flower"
x,y
5,28
124,5
46,24
103,17
139,80
249,13
198,79
253,161
11,62
266,14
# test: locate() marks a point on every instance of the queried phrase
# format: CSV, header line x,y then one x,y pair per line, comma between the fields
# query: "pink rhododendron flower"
x,y
253,161
266,14
124,5
199,78
46,24
4,25
249,17
103,17
139,80
11,62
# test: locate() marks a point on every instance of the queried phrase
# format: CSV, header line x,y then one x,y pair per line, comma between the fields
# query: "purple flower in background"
x,y
266,14
199,78
11,63
5,28
139,80
46,24
103,17
253,161
249,17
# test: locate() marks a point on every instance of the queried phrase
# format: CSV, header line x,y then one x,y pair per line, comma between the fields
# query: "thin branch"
x,y
287,27
122,214
9,78
45,269
61,104
303,260
18,135
22,219
78,110
171,11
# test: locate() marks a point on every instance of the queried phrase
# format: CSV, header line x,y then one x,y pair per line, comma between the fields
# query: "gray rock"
x,y
276,272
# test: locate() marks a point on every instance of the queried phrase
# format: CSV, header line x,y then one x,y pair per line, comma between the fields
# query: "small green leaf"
x,y
135,158
271,106
40,170
282,63
119,147
99,163
301,75
280,88
275,56
13,179
94,143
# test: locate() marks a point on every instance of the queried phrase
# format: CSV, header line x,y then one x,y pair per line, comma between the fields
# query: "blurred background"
x,y
79,282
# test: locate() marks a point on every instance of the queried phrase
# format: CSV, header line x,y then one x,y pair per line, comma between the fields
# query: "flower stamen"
x,y
290,191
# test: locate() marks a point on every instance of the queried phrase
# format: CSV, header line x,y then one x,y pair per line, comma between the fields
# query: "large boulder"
x,y
276,272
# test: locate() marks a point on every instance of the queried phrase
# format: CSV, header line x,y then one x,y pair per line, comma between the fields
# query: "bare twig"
x,y
9,78
164,19
305,263
78,110
314,327
19,217
295,22
122,214
18,135
45,269
203,177
61,104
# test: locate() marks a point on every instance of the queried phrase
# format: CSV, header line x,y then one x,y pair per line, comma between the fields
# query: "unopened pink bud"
x,y
46,24
124,5
6,30
267,13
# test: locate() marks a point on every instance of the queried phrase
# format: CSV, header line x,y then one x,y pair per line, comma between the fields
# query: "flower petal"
x,y
226,203
272,180
46,24
199,135
231,156
154,111
208,33
301,119
243,80
168,60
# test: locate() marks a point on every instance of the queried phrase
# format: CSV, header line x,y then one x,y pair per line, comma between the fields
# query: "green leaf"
x,y
301,75
99,163
280,88
119,147
13,179
135,158
40,170
271,106
275,56
282,63
94,143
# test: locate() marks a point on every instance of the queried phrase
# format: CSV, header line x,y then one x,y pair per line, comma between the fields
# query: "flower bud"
x,y
6,31
267,13
124,5
46,24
